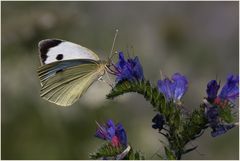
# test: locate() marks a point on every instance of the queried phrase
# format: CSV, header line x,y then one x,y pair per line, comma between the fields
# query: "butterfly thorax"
x,y
102,67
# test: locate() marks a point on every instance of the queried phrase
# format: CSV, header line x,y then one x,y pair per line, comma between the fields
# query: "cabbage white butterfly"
x,y
67,70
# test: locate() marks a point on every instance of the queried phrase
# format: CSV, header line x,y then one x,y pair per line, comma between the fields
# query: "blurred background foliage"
x,y
197,39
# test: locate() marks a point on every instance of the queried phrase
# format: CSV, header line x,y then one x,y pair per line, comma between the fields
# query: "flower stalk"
x,y
180,129
171,120
167,109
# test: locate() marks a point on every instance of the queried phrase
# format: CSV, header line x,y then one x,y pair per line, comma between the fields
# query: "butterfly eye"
x,y
59,57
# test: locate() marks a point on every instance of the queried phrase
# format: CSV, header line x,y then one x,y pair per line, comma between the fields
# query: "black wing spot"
x,y
59,57
45,45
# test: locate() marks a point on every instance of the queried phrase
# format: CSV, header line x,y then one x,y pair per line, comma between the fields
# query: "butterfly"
x,y
67,70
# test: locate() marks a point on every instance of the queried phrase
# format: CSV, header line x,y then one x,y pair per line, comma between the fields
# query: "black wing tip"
x,y
45,45
49,42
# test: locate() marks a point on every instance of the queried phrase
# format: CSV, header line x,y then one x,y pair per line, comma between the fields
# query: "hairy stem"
x,y
181,130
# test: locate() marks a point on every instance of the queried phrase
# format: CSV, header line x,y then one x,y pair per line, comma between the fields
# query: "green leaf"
x,y
132,155
106,151
226,114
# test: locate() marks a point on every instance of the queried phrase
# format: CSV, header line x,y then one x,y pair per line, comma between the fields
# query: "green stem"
x,y
181,130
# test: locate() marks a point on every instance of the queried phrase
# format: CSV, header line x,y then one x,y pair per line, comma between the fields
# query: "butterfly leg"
x,y
102,80
109,79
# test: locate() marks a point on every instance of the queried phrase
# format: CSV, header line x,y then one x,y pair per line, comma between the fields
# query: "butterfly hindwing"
x,y
63,82
51,69
52,50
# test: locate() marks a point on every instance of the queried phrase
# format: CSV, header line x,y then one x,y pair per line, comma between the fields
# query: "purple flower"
x,y
218,127
221,129
113,133
129,69
158,121
121,134
212,115
175,88
212,89
229,91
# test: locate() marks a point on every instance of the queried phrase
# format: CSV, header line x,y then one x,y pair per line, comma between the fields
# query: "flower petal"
x,y
130,69
179,87
102,133
158,121
212,90
113,133
121,62
221,129
164,87
212,116
230,89
175,88
121,134
137,69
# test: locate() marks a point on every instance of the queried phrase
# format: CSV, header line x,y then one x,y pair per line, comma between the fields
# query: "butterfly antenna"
x,y
111,52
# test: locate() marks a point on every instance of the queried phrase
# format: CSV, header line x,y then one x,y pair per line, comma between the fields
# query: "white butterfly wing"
x,y
64,83
52,50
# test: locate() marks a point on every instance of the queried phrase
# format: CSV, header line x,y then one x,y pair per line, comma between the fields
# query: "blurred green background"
x,y
197,39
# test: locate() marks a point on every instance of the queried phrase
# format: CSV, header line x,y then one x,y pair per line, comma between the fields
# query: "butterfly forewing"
x,y
63,82
52,50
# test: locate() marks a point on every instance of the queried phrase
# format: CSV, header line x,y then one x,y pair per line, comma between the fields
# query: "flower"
x,y
158,121
174,88
221,129
216,123
212,115
113,133
229,91
212,89
129,69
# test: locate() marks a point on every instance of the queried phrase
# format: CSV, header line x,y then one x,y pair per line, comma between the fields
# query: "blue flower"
x,y
158,121
121,134
212,89
113,133
221,129
212,115
217,125
129,69
175,88
229,91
